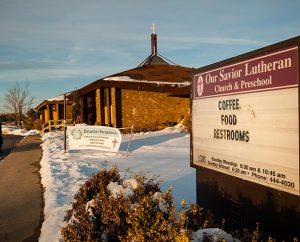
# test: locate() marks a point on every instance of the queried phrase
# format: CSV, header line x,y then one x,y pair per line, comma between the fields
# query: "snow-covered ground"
x,y
164,153
14,130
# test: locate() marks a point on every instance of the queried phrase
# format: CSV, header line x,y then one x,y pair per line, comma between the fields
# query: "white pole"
x,y
129,140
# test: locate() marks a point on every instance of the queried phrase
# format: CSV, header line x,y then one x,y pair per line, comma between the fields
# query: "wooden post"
x,y
98,107
47,113
107,106
113,107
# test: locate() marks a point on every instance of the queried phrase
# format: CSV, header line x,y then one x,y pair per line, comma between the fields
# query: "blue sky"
x,y
61,45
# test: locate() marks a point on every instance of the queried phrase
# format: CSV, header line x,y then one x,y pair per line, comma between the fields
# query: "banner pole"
x,y
129,140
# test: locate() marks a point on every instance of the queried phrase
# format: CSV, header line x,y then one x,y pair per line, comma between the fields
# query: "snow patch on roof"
x,y
128,79
58,98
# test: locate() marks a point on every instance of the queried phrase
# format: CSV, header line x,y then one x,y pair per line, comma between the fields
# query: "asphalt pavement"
x,y
21,192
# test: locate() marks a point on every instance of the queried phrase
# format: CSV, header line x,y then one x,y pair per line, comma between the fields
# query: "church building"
x,y
153,95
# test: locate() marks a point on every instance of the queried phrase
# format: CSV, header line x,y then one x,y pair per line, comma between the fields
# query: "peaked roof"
x,y
155,78
154,60
158,73
55,100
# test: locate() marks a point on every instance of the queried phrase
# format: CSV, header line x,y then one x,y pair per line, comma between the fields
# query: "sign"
x,y
94,137
245,118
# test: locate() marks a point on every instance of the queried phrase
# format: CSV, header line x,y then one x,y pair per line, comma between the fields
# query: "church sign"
x,y
245,118
94,137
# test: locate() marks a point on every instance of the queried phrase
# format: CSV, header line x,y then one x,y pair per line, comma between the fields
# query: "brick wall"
x,y
152,109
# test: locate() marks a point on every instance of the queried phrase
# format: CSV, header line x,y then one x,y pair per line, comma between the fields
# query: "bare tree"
x,y
19,101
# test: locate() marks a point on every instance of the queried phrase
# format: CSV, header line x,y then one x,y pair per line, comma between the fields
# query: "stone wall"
x,y
152,110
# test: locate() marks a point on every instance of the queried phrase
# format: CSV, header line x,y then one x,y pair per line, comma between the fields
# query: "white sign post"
x,y
94,137
245,120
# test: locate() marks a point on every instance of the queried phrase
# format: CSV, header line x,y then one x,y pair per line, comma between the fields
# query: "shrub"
x,y
108,208
37,124
84,225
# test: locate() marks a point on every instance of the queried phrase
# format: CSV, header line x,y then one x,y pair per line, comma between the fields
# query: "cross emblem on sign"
x,y
114,142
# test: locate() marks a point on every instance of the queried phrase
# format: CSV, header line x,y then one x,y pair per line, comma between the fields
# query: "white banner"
x,y
94,137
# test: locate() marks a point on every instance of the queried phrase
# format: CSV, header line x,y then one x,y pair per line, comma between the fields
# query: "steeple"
x,y
154,58
153,41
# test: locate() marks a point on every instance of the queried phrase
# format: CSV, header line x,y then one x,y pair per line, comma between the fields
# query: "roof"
x,y
58,98
156,60
158,73
54,100
156,78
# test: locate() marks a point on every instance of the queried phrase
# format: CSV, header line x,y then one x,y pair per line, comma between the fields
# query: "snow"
x,y
129,79
214,234
132,183
116,190
164,153
14,130
58,98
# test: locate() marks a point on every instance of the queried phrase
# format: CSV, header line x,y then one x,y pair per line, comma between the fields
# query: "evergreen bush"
x,y
110,208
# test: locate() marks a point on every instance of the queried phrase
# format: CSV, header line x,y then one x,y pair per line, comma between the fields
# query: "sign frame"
x,y
233,63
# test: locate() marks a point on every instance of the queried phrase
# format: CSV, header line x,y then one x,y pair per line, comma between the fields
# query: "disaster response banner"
x,y
94,137
245,119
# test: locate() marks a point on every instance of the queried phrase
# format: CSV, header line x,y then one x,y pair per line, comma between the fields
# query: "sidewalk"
x,y
21,192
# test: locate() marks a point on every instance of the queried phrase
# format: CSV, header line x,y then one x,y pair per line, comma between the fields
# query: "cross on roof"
x,y
153,28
